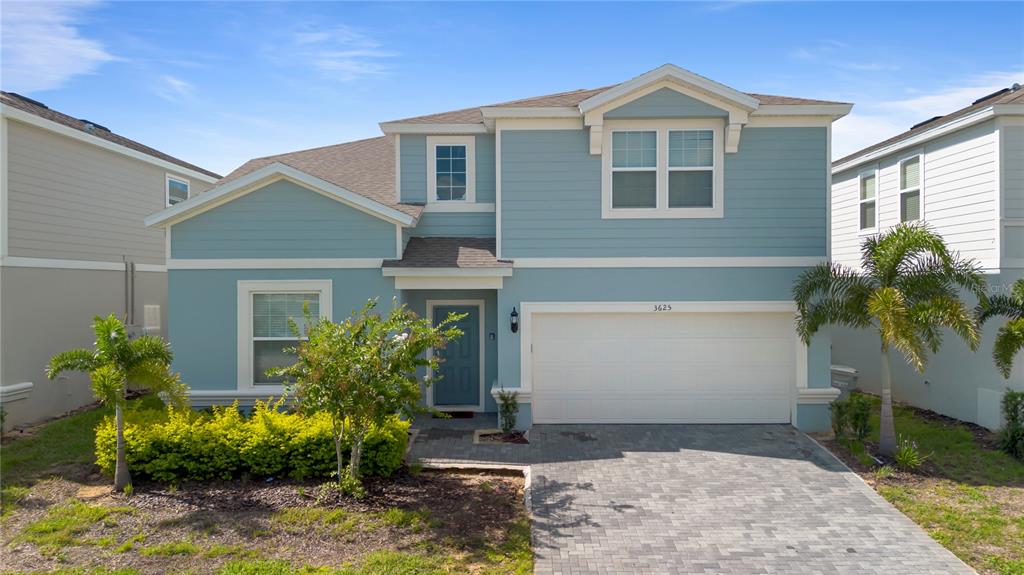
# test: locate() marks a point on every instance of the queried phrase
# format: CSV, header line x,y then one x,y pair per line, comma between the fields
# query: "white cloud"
x,y
341,52
871,122
174,89
42,48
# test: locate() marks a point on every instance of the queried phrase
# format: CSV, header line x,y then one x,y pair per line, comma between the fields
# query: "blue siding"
x,y
455,224
666,103
647,284
283,220
414,168
202,315
413,158
775,201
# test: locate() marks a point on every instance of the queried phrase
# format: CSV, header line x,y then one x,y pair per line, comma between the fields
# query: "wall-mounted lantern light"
x,y
515,320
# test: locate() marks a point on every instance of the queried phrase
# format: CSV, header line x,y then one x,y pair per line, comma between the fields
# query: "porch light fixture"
x,y
515,320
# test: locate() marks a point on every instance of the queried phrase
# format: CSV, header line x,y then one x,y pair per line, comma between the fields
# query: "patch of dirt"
x,y
515,437
238,517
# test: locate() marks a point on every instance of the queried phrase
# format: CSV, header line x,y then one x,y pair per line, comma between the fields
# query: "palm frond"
x,y
71,360
108,383
950,313
1000,305
830,293
148,348
1009,342
896,250
895,325
110,333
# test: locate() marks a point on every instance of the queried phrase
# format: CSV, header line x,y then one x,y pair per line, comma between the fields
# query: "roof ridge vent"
x,y
29,100
928,121
90,126
992,95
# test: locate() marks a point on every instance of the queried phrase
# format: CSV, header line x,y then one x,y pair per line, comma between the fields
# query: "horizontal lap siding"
x,y
960,196
1013,170
775,194
283,220
665,103
71,200
454,224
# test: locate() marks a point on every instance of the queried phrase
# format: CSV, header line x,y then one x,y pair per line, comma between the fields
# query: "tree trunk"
x,y
122,478
887,425
357,455
337,451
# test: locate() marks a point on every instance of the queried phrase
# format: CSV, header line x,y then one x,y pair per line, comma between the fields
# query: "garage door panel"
x,y
671,367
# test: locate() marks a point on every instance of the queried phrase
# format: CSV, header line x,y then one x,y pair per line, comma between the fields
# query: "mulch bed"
x,y
515,437
467,508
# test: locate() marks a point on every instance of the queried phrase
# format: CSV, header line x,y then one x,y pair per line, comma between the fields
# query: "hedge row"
x,y
223,444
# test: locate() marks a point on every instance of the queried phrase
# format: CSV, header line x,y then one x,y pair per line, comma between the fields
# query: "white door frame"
x,y
655,307
481,306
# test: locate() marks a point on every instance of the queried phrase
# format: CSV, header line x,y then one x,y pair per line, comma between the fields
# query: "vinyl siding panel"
x,y
453,224
960,198
1013,171
413,158
71,200
775,194
665,103
283,220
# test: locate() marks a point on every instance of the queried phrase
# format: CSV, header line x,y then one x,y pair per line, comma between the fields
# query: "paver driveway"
x,y
699,499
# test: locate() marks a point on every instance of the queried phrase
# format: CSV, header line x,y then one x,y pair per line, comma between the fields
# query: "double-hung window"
x,y
663,169
176,190
910,189
868,205
267,312
451,170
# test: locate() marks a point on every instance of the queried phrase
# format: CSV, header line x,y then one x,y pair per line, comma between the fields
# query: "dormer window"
x,y
663,169
177,190
451,170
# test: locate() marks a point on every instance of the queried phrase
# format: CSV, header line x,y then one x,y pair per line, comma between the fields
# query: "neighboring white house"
x,y
73,195
963,174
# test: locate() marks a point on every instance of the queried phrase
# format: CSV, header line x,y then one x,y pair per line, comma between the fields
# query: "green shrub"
x,y
859,416
907,455
508,409
222,444
1011,436
840,410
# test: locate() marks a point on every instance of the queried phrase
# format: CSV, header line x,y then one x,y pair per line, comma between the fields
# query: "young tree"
x,y
363,370
908,289
1010,339
116,363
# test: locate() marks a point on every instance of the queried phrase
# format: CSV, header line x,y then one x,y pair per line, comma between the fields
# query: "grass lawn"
x,y
60,516
968,495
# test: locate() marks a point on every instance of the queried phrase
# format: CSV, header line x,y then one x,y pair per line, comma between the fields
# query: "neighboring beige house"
x,y
73,195
963,175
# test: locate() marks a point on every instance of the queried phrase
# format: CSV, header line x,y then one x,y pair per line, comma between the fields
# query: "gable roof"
x,y
40,110
1012,95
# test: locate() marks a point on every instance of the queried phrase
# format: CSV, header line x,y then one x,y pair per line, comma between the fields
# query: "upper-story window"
x,y
177,190
663,169
868,201
910,189
450,169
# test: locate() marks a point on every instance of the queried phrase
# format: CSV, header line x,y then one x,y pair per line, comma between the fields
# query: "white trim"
x,y
168,178
446,272
448,282
398,168
279,264
816,396
757,121
159,268
267,175
873,172
521,396
539,123
662,128
497,191
919,154
481,306
514,112
457,206
422,128
21,262
672,262
528,309
15,391
832,111
432,143
33,120
246,288
670,72
828,192
4,152
399,244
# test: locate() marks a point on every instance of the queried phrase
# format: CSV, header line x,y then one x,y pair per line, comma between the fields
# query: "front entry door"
x,y
460,367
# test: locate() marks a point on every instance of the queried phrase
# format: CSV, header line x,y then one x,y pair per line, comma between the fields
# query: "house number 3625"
x,y
662,307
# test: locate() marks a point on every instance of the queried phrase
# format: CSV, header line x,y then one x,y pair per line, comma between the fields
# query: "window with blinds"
x,y
868,202
910,189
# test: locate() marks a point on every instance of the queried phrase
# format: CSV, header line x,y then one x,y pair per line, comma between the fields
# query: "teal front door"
x,y
460,367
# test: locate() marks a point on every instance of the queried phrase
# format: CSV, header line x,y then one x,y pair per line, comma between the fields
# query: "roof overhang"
x,y
447,278
834,111
421,128
268,174
55,127
671,72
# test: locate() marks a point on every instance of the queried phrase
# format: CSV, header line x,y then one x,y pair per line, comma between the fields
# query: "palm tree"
x,y
1010,338
908,289
115,363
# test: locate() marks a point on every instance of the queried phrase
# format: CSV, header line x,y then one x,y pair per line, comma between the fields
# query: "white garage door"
x,y
663,367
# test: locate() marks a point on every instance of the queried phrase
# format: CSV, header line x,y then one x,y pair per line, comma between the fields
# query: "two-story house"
x,y
963,175
73,196
624,254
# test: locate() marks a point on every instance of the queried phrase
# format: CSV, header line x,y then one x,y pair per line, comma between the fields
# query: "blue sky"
x,y
219,83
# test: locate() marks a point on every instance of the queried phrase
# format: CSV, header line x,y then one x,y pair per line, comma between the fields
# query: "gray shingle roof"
x,y
41,110
449,253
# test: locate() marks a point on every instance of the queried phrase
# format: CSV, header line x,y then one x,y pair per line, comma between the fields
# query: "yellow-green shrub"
x,y
221,444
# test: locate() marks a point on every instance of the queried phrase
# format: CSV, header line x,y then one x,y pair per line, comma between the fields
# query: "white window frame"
x,y
919,189
432,143
167,188
661,209
246,290
860,180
